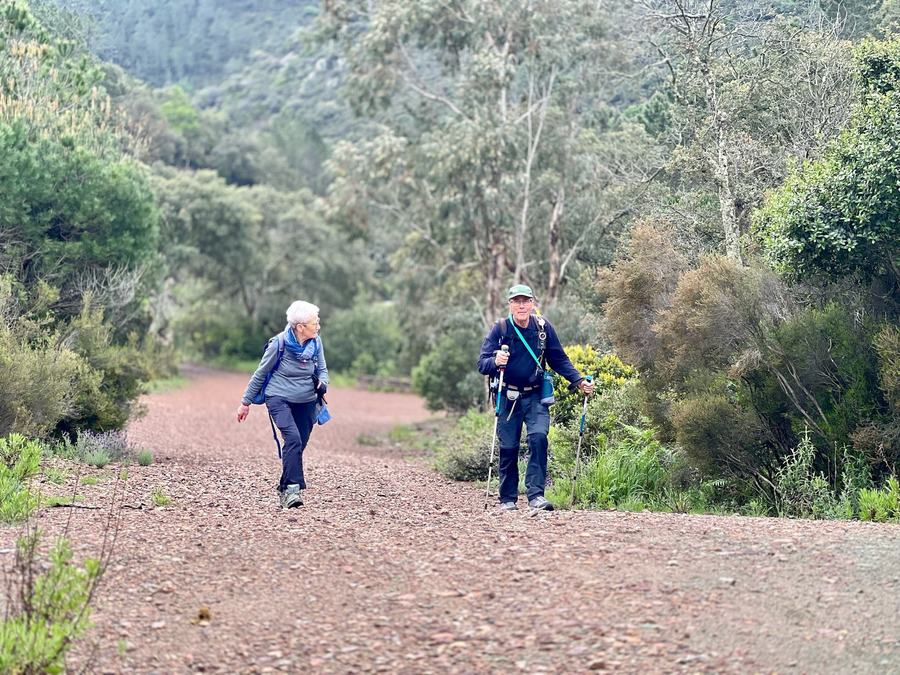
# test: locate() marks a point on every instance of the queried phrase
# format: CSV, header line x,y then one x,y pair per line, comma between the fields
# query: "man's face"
x,y
520,307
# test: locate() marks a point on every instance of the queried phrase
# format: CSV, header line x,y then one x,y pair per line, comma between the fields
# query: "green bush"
x,y
856,476
66,375
803,493
837,215
887,346
20,460
720,437
38,384
446,376
881,505
145,458
607,370
462,451
629,474
620,458
106,395
48,609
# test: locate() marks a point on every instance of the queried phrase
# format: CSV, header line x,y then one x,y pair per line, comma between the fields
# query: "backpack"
x,y
260,397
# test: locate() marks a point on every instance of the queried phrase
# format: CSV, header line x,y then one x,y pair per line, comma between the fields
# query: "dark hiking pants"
x,y
295,421
528,410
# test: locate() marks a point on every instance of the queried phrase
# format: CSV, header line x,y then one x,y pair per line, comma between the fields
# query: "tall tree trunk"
x,y
494,271
554,256
722,171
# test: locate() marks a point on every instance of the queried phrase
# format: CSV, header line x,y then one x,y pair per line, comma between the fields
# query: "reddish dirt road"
x,y
390,568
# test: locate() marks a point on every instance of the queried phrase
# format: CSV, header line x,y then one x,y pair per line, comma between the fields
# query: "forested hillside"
x,y
195,42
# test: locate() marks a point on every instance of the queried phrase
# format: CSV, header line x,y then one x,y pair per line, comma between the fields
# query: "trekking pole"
x,y
487,489
580,439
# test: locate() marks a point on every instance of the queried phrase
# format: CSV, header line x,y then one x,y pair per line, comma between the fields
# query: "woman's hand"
x,y
587,388
242,412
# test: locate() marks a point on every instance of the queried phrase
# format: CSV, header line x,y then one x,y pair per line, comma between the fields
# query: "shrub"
x,y
607,370
881,505
801,492
620,458
637,289
145,458
856,476
447,376
106,396
720,438
97,458
92,447
627,474
20,460
887,346
38,383
463,450
47,610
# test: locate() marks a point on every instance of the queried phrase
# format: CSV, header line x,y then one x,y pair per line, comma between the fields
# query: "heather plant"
x,y
93,447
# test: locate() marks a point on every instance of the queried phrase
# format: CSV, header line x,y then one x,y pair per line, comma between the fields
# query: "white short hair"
x,y
301,312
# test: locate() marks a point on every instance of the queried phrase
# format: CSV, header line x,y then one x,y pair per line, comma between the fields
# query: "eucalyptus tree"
x,y
750,89
496,155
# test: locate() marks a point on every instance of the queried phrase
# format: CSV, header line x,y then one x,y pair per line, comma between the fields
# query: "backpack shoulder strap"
x,y
280,352
503,324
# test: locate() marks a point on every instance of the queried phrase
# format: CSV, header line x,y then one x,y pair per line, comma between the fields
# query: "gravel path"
x,y
390,568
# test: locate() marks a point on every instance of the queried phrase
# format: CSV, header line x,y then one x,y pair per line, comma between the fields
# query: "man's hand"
x,y
587,388
501,358
242,412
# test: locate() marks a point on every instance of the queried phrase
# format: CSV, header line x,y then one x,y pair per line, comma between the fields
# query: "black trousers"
x,y
295,421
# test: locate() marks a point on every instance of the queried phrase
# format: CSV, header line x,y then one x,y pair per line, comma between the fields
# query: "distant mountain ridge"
x,y
192,42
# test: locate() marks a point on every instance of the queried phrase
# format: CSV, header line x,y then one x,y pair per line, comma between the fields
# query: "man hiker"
x,y
533,345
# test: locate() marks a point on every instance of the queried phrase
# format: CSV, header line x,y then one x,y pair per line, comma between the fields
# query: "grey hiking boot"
x,y
540,503
508,506
291,497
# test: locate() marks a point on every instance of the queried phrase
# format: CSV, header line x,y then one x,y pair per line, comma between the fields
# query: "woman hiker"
x,y
292,392
533,345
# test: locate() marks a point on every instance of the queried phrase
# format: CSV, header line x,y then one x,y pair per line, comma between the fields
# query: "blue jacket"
x,y
521,370
292,380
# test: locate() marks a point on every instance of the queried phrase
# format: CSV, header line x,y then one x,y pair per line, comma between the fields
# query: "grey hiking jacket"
x,y
294,378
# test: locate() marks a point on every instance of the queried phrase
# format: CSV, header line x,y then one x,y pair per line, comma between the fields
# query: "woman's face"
x,y
307,330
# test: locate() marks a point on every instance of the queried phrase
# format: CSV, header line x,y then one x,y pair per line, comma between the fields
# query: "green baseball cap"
x,y
519,289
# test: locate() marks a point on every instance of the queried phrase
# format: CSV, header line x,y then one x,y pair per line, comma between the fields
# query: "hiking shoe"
x,y
291,497
508,506
540,503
